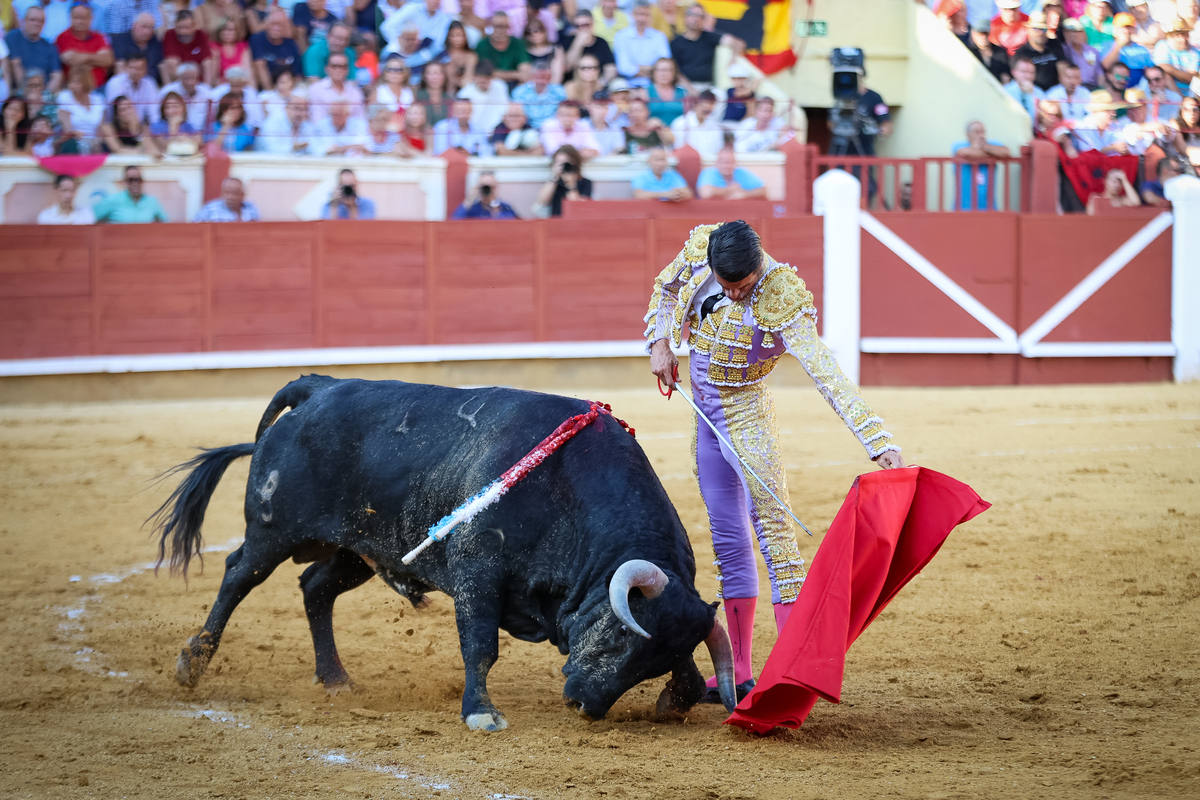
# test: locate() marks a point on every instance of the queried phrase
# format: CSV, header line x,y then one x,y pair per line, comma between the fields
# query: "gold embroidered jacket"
x,y
744,340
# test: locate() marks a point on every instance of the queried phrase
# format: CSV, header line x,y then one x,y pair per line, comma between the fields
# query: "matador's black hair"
x,y
734,251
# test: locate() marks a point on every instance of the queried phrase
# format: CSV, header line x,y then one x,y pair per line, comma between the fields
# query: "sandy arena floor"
x,y
1050,650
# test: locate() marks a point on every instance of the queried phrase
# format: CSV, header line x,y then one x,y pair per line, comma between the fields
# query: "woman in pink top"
x,y
231,49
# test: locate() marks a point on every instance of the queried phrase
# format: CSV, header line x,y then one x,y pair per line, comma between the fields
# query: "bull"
x,y
355,474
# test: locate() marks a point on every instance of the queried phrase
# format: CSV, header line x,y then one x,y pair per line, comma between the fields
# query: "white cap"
x,y
1008,3
739,70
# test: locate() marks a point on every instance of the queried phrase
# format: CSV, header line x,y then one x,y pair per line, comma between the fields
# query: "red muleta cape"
x,y
892,523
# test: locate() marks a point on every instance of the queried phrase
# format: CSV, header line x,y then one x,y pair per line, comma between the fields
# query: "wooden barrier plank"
x,y
484,282
798,241
373,283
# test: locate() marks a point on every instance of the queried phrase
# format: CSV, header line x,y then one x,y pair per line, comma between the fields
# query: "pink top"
x,y
231,61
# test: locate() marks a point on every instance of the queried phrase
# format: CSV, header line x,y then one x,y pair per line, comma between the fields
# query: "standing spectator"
x,y
130,206
230,131
394,90
639,47
739,98
993,57
232,206
459,58
186,44
699,128
664,94
728,181
660,181
1118,191
381,141
231,50
140,41
80,110
765,131
273,51
126,133
539,96
1116,79
608,20
173,134
1139,133
1098,24
197,95
584,43
323,94
1045,53
484,202
1008,26
80,45
1163,100
1127,51
311,22
507,54
237,82
121,14
434,92
346,202
1081,54
1070,95
427,15
340,133
1176,56
977,147
514,136
566,183
28,50
457,133
64,212
609,138
337,40
410,47
415,133
540,48
1153,193
290,133
645,132
694,49
1022,88
134,84
587,80
488,98
566,128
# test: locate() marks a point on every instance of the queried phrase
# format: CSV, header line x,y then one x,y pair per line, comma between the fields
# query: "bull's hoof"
x,y
490,721
193,660
335,686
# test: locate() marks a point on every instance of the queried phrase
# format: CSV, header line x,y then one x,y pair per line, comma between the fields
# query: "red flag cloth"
x,y
1087,171
75,166
890,526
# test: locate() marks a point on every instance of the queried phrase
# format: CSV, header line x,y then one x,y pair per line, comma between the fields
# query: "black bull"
x,y
357,472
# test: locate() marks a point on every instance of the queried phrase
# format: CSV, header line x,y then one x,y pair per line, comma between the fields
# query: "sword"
x,y
741,460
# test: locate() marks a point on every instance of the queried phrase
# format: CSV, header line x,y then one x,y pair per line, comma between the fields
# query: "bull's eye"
x,y
623,632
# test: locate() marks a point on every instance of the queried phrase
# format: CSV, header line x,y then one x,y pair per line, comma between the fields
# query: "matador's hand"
x,y
663,362
889,459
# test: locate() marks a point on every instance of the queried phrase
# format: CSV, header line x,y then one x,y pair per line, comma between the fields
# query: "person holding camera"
x,y
345,203
483,202
565,183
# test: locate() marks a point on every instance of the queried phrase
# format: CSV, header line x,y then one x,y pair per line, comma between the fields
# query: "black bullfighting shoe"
x,y
714,696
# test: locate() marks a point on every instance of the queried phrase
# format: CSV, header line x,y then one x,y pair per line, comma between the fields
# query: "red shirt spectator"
x,y
79,44
185,44
1008,27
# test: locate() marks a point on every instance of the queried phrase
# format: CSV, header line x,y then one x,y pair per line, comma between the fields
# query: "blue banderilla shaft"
x,y
741,460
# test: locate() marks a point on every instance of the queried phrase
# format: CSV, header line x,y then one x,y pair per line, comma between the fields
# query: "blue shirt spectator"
x,y
26,45
1187,59
539,97
637,47
743,178
660,181
1136,57
1023,72
279,57
122,13
975,180
480,210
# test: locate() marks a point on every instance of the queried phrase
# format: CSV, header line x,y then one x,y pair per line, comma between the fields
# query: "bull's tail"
x,y
179,519
290,396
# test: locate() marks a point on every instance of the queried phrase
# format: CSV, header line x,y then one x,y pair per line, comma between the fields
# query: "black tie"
x,y
710,304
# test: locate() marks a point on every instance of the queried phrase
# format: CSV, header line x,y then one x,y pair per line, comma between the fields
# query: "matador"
x,y
744,310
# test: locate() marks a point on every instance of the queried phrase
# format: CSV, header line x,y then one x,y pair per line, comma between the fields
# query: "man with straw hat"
x,y
1177,57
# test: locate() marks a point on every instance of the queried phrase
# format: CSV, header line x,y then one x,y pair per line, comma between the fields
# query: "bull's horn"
x,y
646,576
722,657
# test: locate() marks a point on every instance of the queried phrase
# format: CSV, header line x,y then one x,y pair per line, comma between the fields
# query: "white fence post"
x,y
1184,194
836,197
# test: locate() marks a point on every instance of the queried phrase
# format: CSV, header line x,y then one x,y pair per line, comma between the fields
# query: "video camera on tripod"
x,y
846,122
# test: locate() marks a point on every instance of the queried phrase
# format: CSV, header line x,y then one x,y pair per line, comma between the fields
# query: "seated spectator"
x,y
130,206
1022,89
975,180
289,133
1148,31
514,136
1008,26
230,131
1082,54
434,92
79,45
664,94
540,48
584,43
608,20
346,203
127,134
273,102
134,84
40,101
1042,51
237,82
1070,95
1118,191
458,133
185,44
366,60
507,55
991,56
311,22
340,133
460,59
488,97
667,16
620,96
211,15
539,96
1049,119
699,128
1116,80
1163,100
196,95
232,206
639,47
416,131
381,140
409,46
739,98
660,181
337,41
80,111
566,128
231,50
645,132
764,131
1175,55
566,183
40,142
65,212
325,93
431,21
29,51
1125,50
1153,193
1097,23
694,49
173,135
1094,132
1138,132
393,89
484,202
728,181
14,119
609,138
587,80
273,51
1186,140
139,41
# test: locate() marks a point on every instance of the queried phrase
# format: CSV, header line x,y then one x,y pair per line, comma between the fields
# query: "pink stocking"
x,y
782,612
739,618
